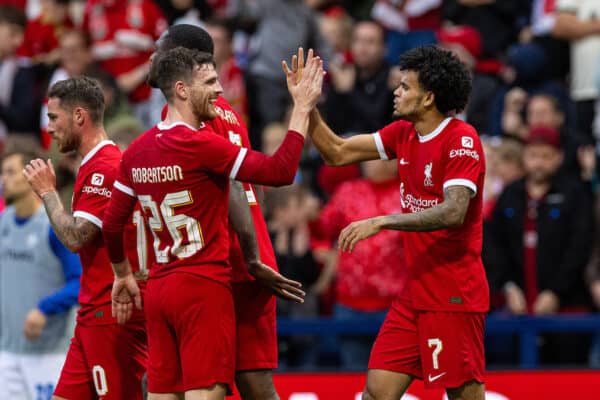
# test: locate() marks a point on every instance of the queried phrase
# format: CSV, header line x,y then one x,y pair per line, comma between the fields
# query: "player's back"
x,y
230,125
183,191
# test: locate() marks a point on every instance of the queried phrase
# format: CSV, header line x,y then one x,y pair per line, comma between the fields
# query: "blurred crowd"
x,y
535,103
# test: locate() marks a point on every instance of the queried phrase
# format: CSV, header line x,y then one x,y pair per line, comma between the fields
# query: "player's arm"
x,y
569,27
125,292
334,149
448,214
74,232
340,151
243,224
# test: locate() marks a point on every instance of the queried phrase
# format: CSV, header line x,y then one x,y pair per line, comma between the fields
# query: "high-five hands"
x,y
304,80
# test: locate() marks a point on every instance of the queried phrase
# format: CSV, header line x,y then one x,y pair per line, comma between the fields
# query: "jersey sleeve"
x,y
96,192
463,157
386,139
218,155
118,213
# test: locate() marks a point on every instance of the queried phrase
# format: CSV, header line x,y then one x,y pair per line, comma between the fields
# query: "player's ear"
x,y
181,90
78,116
429,99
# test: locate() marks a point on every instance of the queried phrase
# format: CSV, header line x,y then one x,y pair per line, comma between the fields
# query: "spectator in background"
x,y
360,95
369,278
282,26
539,241
504,165
578,21
17,101
75,57
39,283
336,27
498,21
123,35
117,111
230,74
544,110
409,24
465,43
287,221
42,34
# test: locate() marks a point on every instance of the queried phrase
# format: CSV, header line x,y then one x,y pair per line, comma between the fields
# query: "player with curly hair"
x,y
434,330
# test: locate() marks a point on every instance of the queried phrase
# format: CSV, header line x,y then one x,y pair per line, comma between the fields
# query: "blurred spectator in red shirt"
x,y
369,278
42,34
17,88
123,35
230,73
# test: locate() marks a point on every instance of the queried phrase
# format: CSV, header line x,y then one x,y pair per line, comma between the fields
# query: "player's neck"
x,y
181,113
90,139
428,123
28,205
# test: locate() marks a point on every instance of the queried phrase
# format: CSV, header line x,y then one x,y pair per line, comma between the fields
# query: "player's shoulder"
x,y
106,155
462,131
398,126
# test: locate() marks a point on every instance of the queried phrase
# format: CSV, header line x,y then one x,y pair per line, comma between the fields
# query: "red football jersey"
x,y
229,125
181,176
91,194
445,268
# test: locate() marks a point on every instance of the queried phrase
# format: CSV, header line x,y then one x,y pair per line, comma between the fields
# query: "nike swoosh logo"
x,y
436,377
403,162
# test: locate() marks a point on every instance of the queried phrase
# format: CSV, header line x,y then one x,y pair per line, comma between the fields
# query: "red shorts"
x,y
445,349
191,333
256,326
106,362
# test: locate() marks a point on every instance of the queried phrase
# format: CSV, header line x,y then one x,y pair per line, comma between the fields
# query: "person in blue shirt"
x,y
39,283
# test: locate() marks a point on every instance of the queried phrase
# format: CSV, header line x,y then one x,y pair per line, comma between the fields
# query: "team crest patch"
x,y
428,176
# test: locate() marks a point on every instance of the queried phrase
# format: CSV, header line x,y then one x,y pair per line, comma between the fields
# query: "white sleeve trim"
x,y
90,217
124,189
238,163
379,144
462,182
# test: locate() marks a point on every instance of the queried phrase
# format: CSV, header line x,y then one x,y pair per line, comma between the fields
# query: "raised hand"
x,y
304,81
279,284
41,176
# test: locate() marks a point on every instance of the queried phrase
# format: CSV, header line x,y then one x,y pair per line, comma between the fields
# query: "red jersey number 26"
x,y
165,215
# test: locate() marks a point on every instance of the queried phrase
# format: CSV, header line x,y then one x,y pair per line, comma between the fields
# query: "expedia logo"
x,y
97,179
96,190
463,153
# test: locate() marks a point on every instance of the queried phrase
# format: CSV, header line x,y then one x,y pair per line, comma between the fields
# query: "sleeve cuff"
x,y
380,148
90,217
124,189
462,182
238,163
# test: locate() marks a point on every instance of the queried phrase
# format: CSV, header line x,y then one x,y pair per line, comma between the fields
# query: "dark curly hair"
x,y
183,35
442,73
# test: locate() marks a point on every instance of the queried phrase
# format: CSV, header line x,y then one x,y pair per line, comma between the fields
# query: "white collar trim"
x,y
96,148
164,127
436,131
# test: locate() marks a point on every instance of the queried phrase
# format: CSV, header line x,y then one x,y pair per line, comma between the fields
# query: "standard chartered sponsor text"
x,y
416,204
167,173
